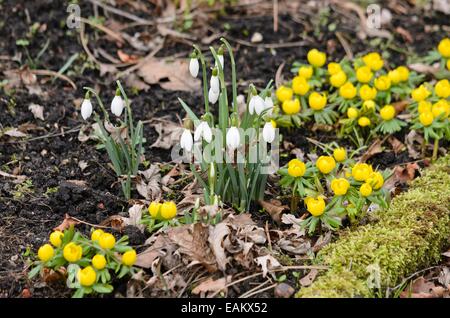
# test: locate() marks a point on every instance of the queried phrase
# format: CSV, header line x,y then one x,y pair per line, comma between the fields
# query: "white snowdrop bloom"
x,y
186,141
221,60
268,102
194,67
117,105
213,96
203,131
256,105
86,109
214,83
233,138
269,132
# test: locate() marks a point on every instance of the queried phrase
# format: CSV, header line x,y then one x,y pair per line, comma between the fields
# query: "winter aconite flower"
x,y
420,93
325,164
367,93
168,210
154,209
426,118
194,66
117,104
369,105
364,121
364,74
315,206
317,101
365,190
284,93
352,113
256,105
233,138
316,58
394,76
441,107
186,141
382,83
347,91
72,252
448,64
404,73
442,88
96,234
86,108
268,132
86,276
340,186
129,258
46,252
296,168
387,112
424,106
334,68
300,85
361,171
373,60
56,238
203,131
291,107
340,154
376,180
338,79
107,241
99,261
305,71
444,47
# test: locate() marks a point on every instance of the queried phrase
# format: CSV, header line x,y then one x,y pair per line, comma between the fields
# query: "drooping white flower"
x,y
186,141
256,105
117,105
213,96
268,104
86,109
214,83
203,131
268,132
221,60
194,67
233,138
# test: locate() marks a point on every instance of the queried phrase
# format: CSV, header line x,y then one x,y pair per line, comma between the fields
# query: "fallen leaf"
x,y
309,278
413,140
115,221
405,34
135,217
160,248
126,58
283,290
423,68
148,183
421,288
373,149
216,236
169,133
274,208
267,263
66,223
14,132
212,286
396,144
37,110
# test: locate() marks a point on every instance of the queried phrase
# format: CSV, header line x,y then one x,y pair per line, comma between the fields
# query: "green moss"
x,y
408,236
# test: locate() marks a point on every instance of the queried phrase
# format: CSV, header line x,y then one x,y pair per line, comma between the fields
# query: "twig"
x,y
260,291
55,74
275,15
268,236
268,45
141,62
249,292
111,33
345,45
120,12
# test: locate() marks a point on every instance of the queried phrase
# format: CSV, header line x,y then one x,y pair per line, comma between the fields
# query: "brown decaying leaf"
x,y
412,139
309,278
274,208
405,34
423,68
66,223
212,286
267,263
148,183
169,133
373,149
396,144
215,239
37,111
421,288
126,58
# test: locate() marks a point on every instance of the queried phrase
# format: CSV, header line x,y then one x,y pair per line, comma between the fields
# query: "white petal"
x,y
117,106
268,102
198,131
259,104
268,133
251,105
233,138
186,141
213,96
214,83
221,60
86,109
207,132
194,67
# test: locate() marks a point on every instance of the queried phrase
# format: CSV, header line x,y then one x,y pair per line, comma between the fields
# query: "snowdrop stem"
x,y
100,103
205,82
233,73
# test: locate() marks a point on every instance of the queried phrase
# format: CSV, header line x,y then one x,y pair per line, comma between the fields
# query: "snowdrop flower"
x,y
221,60
86,108
214,81
268,104
117,105
269,131
186,141
233,138
213,96
193,66
256,105
203,131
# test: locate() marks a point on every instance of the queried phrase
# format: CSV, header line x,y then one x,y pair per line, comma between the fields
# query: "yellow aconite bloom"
x,y
315,206
441,107
426,118
340,154
86,276
364,121
444,47
107,241
56,238
316,58
382,83
395,76
317,101
305,71
420,93
72,252
325,164
442,88
334,68
338,79
154,209
284,93
448,64
296,168
365,189
99,261
45,252
373,60
340,186
376,180
367,93
96,234
168,210
352,113
424,106
369,105
361,171
387,112
347,91
364,74
404,73
300,85
291,106
129,258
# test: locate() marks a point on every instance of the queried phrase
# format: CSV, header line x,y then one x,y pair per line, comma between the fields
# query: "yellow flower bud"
x,y
340,186
364,74
420,93
72,252
373,60
347,91
316,58
441,107
46,252
442,88
86,276
365,190
317,101
325,164
376,180
154,209
444,47
338,79
387,112
369,105
352,113
404,73
296,168
382,83
291,107
56,238
361,171
99,261
168,210
107,241
426,118
334,68
367,93
300,85
305,72
284,93
96,234
424,106
340,154
395,76
315,206
129,258
364,121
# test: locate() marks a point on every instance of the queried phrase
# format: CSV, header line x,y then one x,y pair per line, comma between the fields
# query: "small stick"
x,y
260,291
275,16
55,74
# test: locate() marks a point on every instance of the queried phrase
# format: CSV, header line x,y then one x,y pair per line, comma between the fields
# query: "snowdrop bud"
x,y
256,105
86,108
193,67
207,132
269,132
233,138
186,141
213,96
117,105
198,132
214,82
221,60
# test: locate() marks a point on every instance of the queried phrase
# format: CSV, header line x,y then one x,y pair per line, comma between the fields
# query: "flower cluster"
x,y
160,215
87,263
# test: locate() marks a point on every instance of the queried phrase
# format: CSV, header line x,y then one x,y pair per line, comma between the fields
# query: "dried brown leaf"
x,y
216,237
274,208
309,278
66,223
37,110
212,286
267,263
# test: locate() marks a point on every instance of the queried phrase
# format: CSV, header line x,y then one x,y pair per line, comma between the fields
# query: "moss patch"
x,y
408,236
